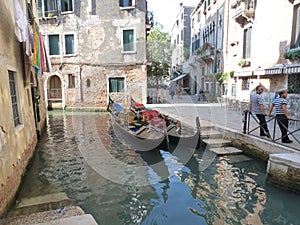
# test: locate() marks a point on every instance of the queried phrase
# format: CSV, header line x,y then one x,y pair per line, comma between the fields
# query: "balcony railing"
x,y
244,11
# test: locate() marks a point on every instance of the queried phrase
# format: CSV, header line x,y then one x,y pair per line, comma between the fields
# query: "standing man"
x,y
257,108
282,114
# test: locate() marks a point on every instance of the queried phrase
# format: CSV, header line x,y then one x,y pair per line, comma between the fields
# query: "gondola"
x,y
135,132
178,132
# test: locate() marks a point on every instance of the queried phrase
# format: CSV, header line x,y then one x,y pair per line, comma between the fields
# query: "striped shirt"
x,y
278,102
256,100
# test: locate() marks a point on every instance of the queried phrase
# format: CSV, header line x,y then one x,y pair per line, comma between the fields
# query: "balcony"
x,y
193,61
206,53
243,11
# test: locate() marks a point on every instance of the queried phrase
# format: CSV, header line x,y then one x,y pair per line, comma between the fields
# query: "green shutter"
x,y
128,40
54,44
69,44
116,85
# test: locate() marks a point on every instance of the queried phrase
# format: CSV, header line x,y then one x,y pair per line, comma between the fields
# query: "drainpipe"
x,y
23,64
227,24
80,79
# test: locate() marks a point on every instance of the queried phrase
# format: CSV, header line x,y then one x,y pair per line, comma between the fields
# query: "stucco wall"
x,y
98,51
16,143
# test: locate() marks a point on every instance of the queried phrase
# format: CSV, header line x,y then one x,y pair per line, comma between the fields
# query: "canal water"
x,y
80,155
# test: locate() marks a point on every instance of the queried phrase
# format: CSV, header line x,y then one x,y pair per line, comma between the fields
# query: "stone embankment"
x,y
222,127
51,209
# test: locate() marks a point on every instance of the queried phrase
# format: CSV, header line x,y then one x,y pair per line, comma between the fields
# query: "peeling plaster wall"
x,y
97,29
17,144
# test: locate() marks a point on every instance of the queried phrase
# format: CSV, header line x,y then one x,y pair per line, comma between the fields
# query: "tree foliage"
x,y
158,52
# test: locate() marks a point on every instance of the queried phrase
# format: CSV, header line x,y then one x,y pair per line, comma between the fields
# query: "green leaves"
x,y
293,54
158,52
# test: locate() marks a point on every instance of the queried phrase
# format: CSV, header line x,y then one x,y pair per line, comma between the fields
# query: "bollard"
x,y
245,122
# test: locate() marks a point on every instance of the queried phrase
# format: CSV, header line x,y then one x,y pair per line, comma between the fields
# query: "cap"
x,y
280,91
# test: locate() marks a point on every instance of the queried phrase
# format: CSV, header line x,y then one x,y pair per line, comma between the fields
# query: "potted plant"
x,y
292,55
242,62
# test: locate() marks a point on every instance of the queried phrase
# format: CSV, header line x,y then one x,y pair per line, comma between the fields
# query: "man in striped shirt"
x,y
282,114
257,108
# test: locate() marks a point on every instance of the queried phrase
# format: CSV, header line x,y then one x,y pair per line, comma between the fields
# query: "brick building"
x,y
97,49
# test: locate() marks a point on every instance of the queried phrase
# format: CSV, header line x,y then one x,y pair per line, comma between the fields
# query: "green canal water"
x,y
79,154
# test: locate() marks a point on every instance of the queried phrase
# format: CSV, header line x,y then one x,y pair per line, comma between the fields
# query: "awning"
x,y
273,71
292,69
179,77
243,74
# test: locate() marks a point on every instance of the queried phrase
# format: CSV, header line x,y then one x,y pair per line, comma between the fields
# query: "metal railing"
x,y
248,116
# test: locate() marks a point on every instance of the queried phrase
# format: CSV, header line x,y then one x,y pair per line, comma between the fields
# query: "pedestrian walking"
x,y
281,114
172,91
257,108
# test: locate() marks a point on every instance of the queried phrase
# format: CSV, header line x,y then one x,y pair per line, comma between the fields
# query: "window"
x,y
245,84
233,90
224,89
181,36
29,13
116,85
206,86
50,8
71,81
127,3
247,43
199,16
69,44
128,40
14,100
66,5
54,44
296,28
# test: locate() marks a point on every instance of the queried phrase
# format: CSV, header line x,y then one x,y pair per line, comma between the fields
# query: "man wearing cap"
x,y
257,108
281,113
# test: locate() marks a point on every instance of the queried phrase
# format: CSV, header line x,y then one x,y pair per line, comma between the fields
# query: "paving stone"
x,y
290,159
86,219
226,151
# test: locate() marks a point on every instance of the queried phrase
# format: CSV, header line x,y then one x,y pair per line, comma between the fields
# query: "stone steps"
x,y
50,209
226,151
86,219
41,203
207,134
216,142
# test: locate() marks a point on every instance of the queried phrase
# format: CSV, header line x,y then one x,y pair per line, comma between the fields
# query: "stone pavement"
x,y
187,107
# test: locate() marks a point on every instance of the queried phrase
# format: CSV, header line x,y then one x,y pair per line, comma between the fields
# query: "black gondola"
x,y
178,132
135,132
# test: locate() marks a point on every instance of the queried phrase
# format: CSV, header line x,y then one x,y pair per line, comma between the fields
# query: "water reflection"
x,y
231,190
